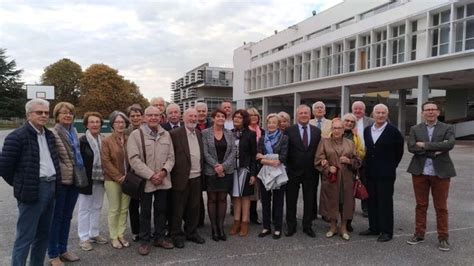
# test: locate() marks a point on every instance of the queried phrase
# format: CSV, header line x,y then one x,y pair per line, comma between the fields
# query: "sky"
x,y
151,43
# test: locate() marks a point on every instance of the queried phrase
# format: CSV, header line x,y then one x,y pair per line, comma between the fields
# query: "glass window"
x,y
470,9
460,12
445,16
469,29
402,29
414,25
470,44
444,35
435,19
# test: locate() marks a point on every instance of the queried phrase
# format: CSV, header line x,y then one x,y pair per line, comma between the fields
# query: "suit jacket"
x,y
182,163
248,151
300,161
382,158
325,126
437,149
367,121
166,126
210,153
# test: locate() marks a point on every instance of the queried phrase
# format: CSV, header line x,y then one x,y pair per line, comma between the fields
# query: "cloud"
x,y
151,43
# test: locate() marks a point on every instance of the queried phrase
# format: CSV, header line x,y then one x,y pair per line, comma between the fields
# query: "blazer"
x,y
437,149
113,155
166,126
325,126
210,154
280,147
300,161
88,158
382,158
248,151
182,161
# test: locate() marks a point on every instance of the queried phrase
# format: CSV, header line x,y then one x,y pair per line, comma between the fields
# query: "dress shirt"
x,y
308,130
428,169
173,126
46,162
229,124
195,154
376,132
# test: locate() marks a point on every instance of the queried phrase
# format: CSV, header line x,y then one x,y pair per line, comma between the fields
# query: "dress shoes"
x,y
144,249
163,243
222,236
290,232
276,235
369,232
196,239
384,238
69,256
178,242
264,233
309,232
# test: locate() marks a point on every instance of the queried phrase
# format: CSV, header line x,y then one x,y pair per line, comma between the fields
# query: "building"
x,y
412,49
203,84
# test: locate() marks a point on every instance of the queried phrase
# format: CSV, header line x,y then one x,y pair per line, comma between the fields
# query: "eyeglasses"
x,y
153,115
41,112
67,113
430,110
347,120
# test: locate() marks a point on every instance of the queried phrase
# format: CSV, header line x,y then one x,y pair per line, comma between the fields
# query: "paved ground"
x,y
300,249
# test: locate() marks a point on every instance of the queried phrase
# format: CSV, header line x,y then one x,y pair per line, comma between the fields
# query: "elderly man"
x,y
384,150
186,179
320,121
431,169
363,121
203,121
29,162
226,105
156,170
173,113
303,139
160,103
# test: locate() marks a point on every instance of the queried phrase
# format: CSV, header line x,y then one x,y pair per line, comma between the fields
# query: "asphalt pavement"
x,y
299,249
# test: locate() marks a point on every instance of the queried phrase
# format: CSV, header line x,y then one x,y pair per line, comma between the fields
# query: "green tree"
x,y
104,90
12,95
65,76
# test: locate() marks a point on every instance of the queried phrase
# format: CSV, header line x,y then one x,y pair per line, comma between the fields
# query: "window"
x,y
338,59
381,49
413,48
221,75
440,34
351,54
464,29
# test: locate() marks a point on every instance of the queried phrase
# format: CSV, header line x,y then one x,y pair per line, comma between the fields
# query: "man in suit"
x,y
303,139
173,114
431,169
363,121
186,179
319,121
384,151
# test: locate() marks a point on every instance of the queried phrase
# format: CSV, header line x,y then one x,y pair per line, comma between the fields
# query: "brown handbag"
x,y
134,185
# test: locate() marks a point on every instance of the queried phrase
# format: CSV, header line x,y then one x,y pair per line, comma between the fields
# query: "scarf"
x,y
257,131
95,145
270,140
70,136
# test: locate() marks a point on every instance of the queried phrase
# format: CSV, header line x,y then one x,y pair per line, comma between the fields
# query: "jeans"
x,y
88,214
34,223
65,202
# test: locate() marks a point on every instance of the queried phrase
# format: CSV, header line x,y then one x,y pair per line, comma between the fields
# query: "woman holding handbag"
x,y
336,158
115,164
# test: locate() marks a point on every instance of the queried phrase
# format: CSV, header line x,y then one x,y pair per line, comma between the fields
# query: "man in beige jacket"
x,y
156,170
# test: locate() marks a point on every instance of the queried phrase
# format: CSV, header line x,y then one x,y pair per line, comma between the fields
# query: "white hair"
x,y
381,105
29,105
318,103
361,103
201,104
349,115
189,110
301,106
172,105
147,110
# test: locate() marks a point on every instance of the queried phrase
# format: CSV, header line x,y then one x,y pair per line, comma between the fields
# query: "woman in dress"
x,y
219,166
336,158
245,172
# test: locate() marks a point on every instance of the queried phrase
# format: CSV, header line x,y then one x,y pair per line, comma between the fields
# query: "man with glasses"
x,y
30,164
431,169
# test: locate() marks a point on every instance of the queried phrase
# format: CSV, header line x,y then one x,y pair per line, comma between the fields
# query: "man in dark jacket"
x,y
384,151
29,163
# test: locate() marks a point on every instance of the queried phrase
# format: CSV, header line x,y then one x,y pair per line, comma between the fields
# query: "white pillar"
x,y
296,103
422,97
240,104
402,98
264,111
345,100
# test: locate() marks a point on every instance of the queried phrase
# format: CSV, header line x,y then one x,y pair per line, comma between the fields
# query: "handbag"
x,y
359,190
332,177
133,184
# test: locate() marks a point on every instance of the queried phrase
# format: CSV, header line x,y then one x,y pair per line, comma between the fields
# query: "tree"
x,y
12,95
65,76
104,90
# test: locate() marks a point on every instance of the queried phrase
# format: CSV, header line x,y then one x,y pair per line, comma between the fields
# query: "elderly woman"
x,y
285,120
274,142
91,197
115,164
70,158
245,172
219,166
255,127
337,160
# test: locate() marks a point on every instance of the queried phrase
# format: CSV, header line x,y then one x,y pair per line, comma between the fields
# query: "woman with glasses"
x,y
115,164
337,160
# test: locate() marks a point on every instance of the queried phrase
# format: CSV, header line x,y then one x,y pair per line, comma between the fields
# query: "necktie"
x,y
305,137
319,124
175,126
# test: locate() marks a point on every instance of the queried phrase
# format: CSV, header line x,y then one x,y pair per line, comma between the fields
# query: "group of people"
x,y
180,157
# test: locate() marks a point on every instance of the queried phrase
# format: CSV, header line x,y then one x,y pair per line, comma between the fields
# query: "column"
x,y
240,104
296,103
345,100
264,111
423,91
402,98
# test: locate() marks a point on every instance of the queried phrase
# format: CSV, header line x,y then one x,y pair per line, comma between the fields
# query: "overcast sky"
x,y
152,43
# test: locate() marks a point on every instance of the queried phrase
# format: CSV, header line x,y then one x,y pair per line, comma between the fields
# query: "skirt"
x,y
219,184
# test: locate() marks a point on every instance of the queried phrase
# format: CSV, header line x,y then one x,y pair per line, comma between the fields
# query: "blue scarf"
x,y
270,140
74,141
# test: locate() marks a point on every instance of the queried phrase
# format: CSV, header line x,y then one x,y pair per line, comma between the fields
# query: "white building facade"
x,y
358,46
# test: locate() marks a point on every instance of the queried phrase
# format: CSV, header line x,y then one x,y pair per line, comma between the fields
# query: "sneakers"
x,y
99,240
69,256
86,245
415,240
443,245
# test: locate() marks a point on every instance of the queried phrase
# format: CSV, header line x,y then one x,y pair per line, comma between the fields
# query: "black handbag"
x,y
134,185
